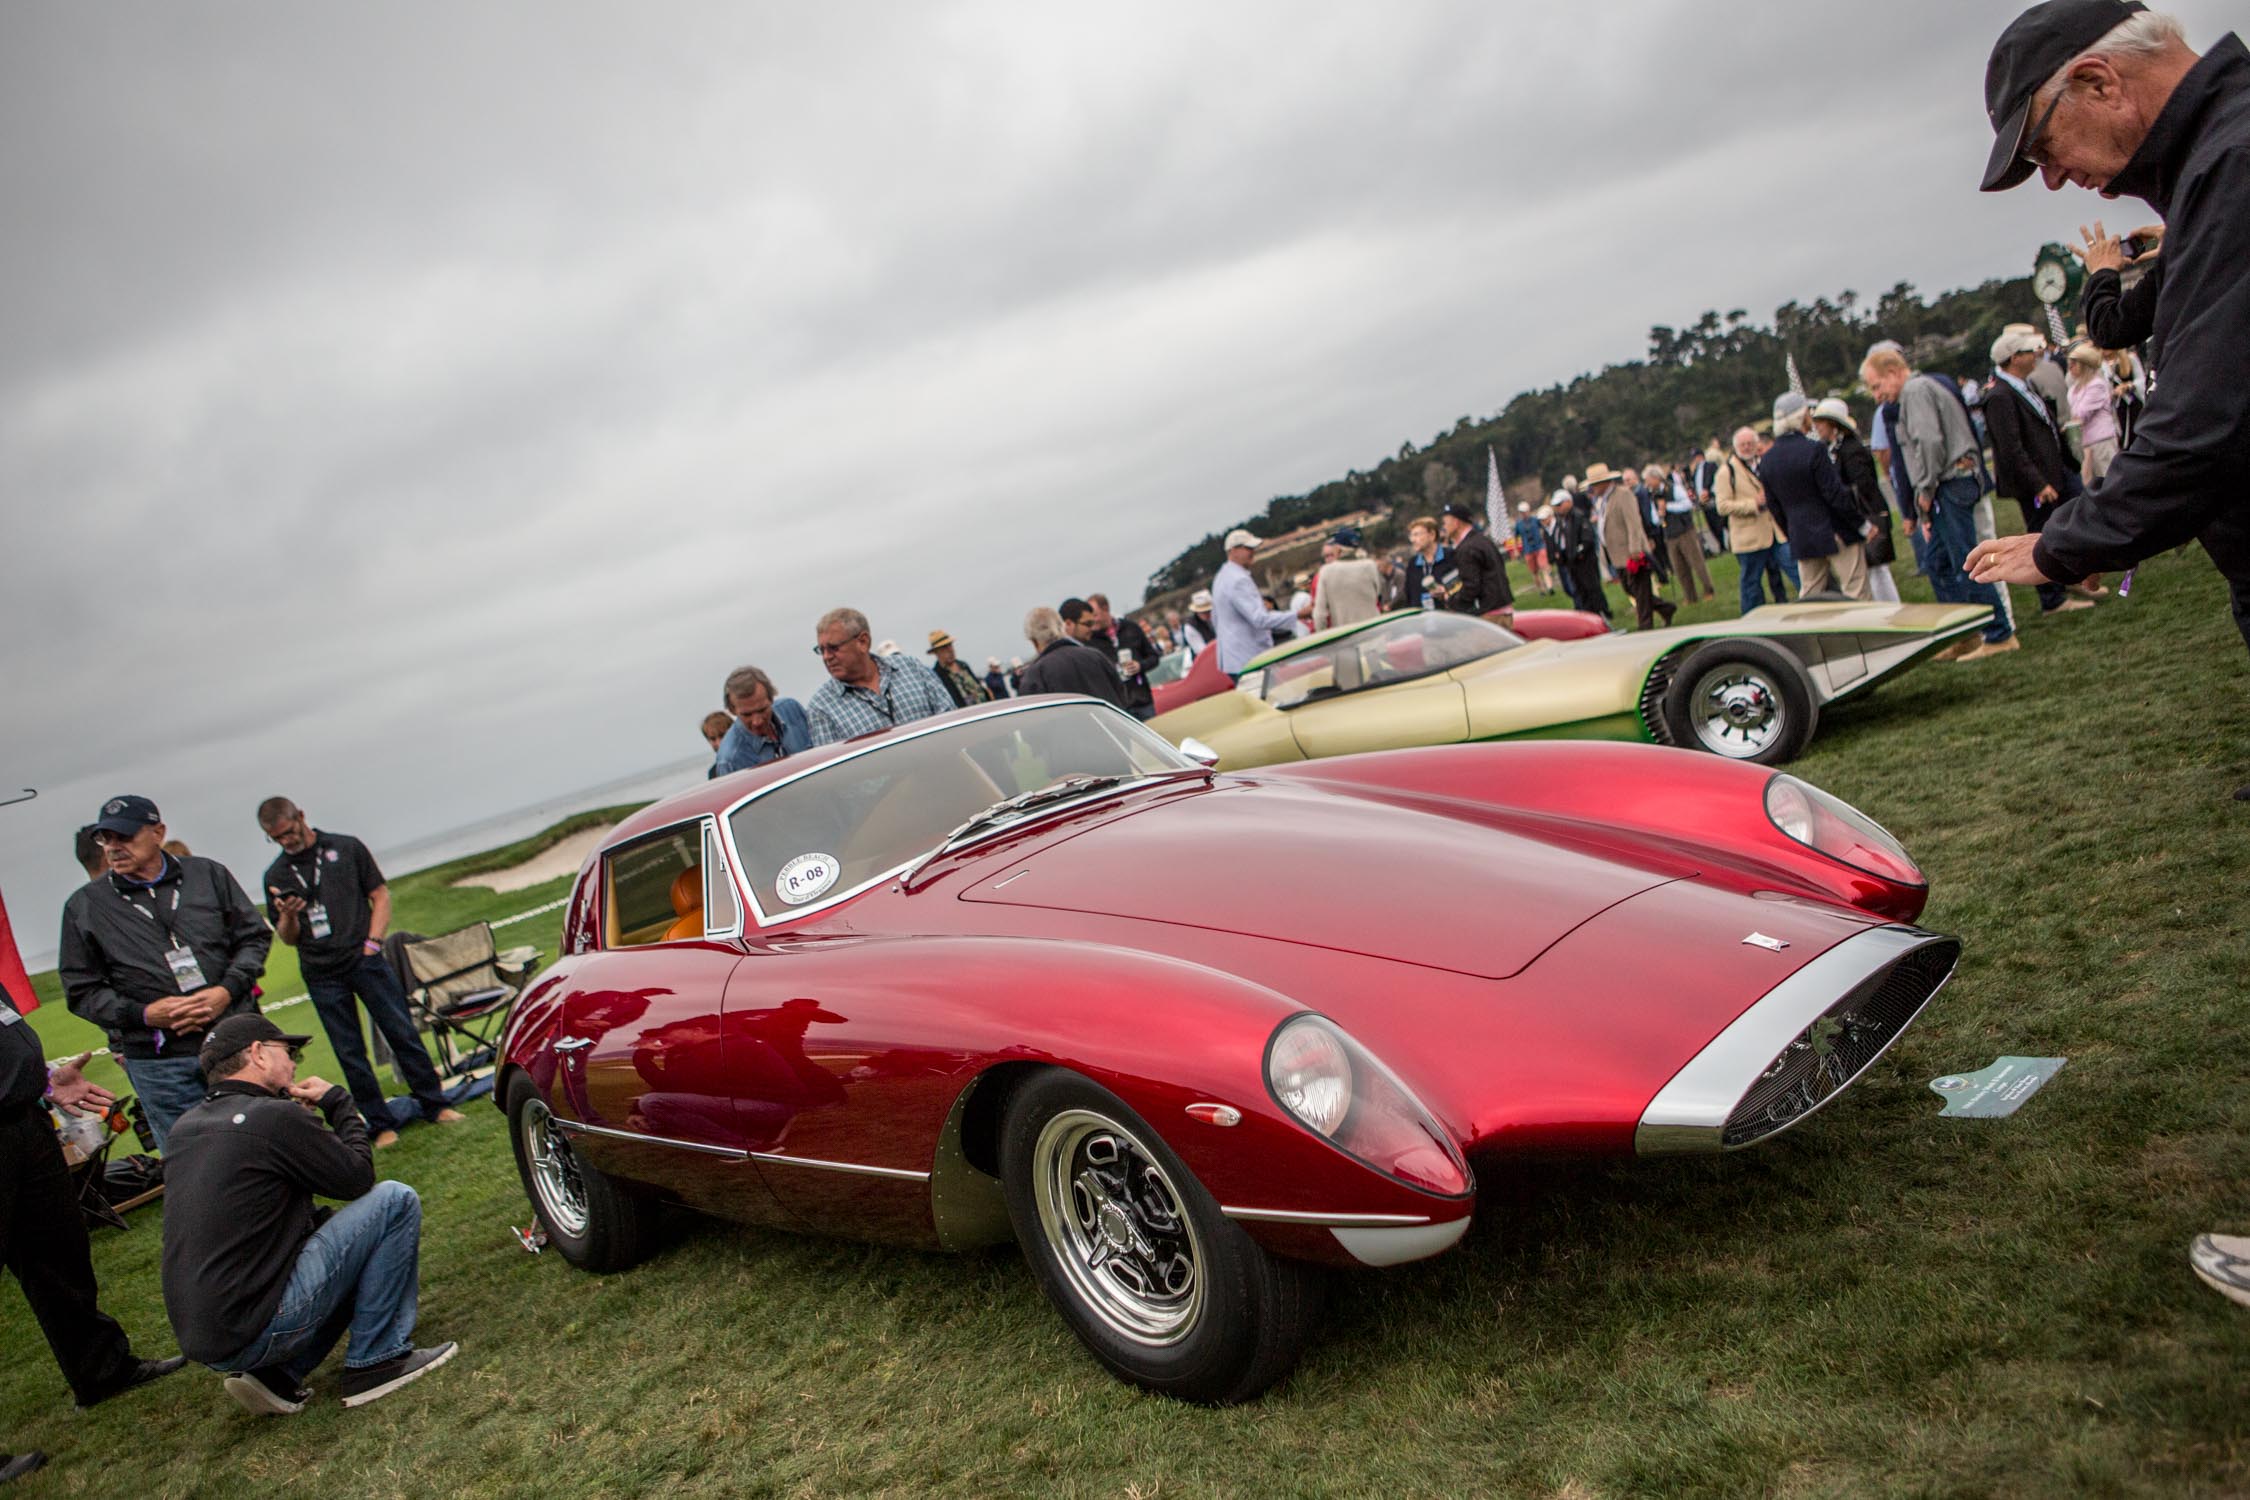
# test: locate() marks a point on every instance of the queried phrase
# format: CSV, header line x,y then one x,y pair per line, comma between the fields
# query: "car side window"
x,y
655,886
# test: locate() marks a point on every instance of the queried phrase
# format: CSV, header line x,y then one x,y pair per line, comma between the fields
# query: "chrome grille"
x,y
1837,1047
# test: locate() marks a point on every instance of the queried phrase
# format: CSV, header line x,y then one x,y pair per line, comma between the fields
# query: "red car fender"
x,y
1687,812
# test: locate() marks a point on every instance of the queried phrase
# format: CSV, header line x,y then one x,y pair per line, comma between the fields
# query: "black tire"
x,y
1743,699
1220,1319
608,1226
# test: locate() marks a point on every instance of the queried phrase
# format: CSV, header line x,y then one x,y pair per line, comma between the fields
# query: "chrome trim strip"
x,y
902,1173
1395,1247
758,915
580,1127
1689,1114
1292,1216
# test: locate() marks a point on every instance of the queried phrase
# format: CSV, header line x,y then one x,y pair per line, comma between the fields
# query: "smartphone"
x,y
2134,247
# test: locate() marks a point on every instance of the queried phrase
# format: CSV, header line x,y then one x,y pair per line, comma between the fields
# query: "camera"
x,y
2134,246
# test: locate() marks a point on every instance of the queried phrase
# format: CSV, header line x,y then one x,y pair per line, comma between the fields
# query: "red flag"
x,y
12,977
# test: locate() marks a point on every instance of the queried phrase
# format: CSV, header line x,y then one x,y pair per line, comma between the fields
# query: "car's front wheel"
x,y
597,1223
1745,699
1163,1288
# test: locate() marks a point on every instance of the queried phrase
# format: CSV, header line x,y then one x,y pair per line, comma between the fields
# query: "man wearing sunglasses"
x,y
259,1284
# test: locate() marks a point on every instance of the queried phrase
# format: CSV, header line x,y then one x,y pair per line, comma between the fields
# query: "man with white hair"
x,y
1246,625
1809,503
1945,476
2027,446
2108,96
1066,664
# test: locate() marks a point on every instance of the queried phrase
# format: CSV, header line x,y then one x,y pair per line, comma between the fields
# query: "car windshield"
x,y
822,836
1407,645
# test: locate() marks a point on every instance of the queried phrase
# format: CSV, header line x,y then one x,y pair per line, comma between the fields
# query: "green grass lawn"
x,y
1880,1302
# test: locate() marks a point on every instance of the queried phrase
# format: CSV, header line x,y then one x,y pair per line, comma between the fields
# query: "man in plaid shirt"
x,y
866,693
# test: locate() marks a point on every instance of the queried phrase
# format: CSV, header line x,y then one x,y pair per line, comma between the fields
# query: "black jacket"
x,y
1856,467
1484,575
1130,637
2027,454
1807,498
240,1172
2117,318
1068,666
23,1065
114,937
2182,475
1576,541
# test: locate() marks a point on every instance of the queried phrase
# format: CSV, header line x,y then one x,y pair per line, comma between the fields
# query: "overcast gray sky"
x,y
417,408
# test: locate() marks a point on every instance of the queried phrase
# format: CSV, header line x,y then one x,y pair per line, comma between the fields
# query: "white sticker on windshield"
x,y
805,877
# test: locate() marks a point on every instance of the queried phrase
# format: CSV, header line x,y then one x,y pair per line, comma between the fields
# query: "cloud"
x,y
419,408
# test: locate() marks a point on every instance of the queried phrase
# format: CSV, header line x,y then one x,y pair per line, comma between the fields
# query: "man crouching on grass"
x,y
259,1283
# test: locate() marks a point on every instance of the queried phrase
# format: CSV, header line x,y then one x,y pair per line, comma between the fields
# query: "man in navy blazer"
x,y
1809,503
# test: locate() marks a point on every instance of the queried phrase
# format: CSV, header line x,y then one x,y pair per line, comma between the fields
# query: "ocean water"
x,y
520,823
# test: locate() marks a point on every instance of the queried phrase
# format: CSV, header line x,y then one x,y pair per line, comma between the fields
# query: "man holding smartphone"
x,y
330,903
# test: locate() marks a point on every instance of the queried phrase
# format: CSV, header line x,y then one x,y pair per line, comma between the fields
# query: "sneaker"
x,y
384,1138
2068,605
449,1116
2223,1262
142,1373
1991,648
267,1393
377,1381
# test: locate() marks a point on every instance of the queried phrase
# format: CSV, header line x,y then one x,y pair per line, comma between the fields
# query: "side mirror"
x,y
1195,750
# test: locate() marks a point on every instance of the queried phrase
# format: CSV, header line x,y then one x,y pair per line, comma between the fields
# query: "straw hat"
x,y
1833,409
1599,474
939,640
1199,602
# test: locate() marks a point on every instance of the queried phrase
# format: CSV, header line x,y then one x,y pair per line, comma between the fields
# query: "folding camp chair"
x,y
460,987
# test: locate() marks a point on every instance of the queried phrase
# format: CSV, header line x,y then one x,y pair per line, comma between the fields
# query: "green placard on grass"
x,y
1994,1092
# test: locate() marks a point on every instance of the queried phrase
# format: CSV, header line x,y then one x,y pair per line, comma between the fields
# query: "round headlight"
x,y
1839,830
1311,1075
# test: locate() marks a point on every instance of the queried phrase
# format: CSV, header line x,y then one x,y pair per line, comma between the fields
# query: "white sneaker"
x,y
2223,1261
266,1395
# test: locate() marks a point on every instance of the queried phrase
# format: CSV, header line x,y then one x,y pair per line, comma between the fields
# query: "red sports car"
x,y
1026,971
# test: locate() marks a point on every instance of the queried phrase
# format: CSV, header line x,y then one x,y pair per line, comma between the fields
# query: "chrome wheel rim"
x,y
554,1171
1737,711
1117,1226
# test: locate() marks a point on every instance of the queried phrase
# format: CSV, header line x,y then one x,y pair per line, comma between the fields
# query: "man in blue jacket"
x,y
1808,501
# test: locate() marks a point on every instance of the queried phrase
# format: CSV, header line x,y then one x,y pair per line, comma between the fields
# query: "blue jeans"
x,y
360,1272
1756,565
168,1087
379,989
1953,534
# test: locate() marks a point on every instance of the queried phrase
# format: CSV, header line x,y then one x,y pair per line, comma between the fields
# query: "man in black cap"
x,y
1484,572
2107,95
42,1237
154,951
258,1283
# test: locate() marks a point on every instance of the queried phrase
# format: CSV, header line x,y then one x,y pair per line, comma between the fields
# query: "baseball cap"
x,y
1346,536
127,815
1241,538
1459,512
233,1033
2037,45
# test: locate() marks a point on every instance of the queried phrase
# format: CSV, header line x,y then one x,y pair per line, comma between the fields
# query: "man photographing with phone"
x,y
331,904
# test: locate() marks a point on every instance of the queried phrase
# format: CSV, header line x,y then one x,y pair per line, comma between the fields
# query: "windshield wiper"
x,y
1064,790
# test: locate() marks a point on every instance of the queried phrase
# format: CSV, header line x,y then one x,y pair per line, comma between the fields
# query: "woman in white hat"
x,y
1833,420
1198,630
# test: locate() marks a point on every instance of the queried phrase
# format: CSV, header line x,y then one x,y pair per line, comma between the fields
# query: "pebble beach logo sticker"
x,y
806,876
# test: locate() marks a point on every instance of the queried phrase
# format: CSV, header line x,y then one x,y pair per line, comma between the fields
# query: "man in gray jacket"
x,y
1945,464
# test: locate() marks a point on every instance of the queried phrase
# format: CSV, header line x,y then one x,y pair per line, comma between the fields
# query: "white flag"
x,y
1495,503
1796,381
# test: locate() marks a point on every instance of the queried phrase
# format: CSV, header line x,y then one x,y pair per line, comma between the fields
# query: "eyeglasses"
x,y
2031,151
106,837
294,820
824,649
296,1050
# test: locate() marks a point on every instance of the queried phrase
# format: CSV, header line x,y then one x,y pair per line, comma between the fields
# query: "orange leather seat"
x,y
687,903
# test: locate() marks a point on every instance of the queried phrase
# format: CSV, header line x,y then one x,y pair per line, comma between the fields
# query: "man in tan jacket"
x,y
1625,545
1755,541
1349,587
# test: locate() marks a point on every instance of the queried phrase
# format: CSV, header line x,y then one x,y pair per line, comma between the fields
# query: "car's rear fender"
x,y
1676,811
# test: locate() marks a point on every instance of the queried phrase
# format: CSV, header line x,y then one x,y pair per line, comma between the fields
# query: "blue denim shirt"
x,y
741,749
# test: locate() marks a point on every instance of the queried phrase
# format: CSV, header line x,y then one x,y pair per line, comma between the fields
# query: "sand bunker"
x,y
560,860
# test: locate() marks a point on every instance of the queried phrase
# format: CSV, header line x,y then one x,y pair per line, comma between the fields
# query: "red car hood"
x,y
1451,889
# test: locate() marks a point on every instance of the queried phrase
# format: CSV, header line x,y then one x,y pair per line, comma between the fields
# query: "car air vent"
x,y
1834,1049
1652,698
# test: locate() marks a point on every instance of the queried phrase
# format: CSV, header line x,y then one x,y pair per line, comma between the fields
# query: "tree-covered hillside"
x,y
1705,379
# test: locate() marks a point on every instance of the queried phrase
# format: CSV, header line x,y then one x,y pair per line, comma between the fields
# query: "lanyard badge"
x,y
186,972
316,918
